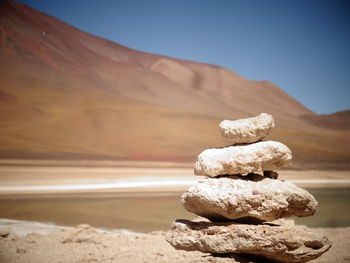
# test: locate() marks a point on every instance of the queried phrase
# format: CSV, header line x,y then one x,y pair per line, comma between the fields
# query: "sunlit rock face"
x,y
277,242
247,130
253,158
240,194
251,196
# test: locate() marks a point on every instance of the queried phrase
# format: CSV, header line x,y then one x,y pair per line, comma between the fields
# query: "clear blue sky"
x,y
301,45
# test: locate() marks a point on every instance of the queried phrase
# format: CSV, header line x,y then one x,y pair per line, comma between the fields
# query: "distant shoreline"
x,y
132,185
117,163
93,163
156,177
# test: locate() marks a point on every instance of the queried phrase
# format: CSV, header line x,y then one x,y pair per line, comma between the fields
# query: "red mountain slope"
x,y
65,93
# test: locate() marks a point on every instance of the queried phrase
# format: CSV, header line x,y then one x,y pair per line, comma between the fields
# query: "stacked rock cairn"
x,y
241,201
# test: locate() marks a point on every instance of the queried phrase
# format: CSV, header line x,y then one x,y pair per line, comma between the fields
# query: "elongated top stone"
x,y
277,242
248,197
243,159
247,130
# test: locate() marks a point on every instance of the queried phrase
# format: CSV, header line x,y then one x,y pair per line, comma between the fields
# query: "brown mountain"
x,y
67,94
338,120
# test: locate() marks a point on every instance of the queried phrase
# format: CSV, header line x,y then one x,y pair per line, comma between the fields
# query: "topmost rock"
x,y
247,130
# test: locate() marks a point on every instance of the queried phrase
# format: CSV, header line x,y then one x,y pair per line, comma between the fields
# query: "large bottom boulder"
x,y
276,242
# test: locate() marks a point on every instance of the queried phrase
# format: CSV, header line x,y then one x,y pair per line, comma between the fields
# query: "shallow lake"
x,y
146,212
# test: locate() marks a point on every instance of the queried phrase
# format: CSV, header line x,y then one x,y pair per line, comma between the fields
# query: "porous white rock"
x,y
247,130
276,242
251,197
243,159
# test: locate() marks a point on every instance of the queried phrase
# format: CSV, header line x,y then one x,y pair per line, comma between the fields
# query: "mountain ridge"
x,y
65,92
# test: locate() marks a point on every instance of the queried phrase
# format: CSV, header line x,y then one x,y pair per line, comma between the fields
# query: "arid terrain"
x,y
66,94
84,244
93,132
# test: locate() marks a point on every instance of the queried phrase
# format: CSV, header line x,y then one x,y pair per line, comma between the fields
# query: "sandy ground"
x,y
85,244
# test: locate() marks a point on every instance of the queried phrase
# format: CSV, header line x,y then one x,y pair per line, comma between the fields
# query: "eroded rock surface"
x,y
247,130
276,242
237,197
243,159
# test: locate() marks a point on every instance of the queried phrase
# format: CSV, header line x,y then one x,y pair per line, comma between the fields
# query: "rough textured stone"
x,y
251,196
275,242
253,158
247,130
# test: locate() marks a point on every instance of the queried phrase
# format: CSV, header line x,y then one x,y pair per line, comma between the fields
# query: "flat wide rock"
x,y
252,196
243,159
276,242
247,130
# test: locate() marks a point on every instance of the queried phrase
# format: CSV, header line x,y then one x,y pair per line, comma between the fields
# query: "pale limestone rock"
x,y
247,130
275,242
253,158
251,196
